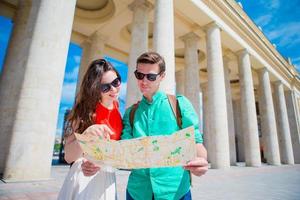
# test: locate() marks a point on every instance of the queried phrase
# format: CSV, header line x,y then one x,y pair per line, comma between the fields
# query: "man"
x,y
154,116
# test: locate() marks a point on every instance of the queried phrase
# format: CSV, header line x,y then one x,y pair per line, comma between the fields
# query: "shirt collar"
x,y
155,97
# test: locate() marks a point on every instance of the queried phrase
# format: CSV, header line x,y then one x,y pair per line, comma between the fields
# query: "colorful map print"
x,y
145,152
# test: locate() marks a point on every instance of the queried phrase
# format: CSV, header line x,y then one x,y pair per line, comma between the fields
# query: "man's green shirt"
x,y
157,118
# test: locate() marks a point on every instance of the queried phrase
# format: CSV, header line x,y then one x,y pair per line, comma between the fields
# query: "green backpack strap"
x,y
132,113
176,109
173,103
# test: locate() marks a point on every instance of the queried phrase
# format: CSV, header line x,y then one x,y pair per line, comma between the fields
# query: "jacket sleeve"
x,y
189,117
127,130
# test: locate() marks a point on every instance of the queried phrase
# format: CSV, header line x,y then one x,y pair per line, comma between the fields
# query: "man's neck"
x,y
149,97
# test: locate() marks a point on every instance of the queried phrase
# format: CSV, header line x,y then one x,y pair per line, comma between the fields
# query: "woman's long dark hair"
x,y
82,114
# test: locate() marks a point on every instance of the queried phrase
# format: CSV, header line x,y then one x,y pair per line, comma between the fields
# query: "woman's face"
x,y
110,86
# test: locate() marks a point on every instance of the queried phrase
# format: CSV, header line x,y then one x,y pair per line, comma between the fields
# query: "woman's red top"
x,y
112,118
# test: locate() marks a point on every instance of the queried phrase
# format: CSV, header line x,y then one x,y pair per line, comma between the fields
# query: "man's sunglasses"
x,y
107,86
150,77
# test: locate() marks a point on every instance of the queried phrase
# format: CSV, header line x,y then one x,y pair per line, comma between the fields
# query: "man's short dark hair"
x,y
152,58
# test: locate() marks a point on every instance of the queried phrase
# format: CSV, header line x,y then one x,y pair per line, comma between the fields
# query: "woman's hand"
x,y
89,168
101,130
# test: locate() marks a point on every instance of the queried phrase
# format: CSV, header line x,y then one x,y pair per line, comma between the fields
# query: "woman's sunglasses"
x,y
107,86
150,77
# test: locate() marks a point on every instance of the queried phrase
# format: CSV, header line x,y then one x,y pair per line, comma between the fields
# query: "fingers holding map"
x,y
145,152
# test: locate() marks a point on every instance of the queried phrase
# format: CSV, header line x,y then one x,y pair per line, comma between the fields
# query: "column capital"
x,y
262,70
85,42
242,52
211,25
191,36
229,54
277,82
198,30
142,4
97,34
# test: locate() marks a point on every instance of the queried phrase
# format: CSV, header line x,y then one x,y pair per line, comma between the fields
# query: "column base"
x,y
24,181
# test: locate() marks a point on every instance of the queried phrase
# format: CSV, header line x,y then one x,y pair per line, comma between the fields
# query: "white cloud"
x,y
263,20
58,132
123,91
296,60
73,74
297,66
287,34
77,59
270,4
275,3
68,92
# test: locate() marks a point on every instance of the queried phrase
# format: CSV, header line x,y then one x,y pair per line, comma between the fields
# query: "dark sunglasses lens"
x,y
105,88
116,82
139,75
152,77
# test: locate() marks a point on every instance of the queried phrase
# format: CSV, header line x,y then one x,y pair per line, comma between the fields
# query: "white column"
x,y
206,132
180,82
163,41
238,130
262,138
139,45
192,85
97,45
31,84
284,135
218,126
231,131
84,62
92,49
294,129
249,120
268,120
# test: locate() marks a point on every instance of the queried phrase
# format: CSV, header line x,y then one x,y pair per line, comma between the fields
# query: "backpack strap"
x,y
132,113
176,109
173,103
177,113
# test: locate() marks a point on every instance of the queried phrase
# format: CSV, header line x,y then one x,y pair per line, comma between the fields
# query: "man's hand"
x,y
99,130
197,166
89,168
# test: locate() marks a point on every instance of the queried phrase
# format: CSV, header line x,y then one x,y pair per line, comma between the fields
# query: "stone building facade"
x,y
251,94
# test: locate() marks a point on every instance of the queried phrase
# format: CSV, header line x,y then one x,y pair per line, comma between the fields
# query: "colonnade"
x,y
32,92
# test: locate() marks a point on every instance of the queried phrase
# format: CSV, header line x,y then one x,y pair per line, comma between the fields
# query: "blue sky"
x,y
5,32
279,20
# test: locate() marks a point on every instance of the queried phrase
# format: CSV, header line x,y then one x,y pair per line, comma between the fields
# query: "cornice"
x,y
7,9
234,14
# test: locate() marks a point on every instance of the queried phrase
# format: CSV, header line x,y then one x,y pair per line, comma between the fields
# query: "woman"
x,y
96,111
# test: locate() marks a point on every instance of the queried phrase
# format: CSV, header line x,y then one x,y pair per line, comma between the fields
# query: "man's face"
x,y
149,87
